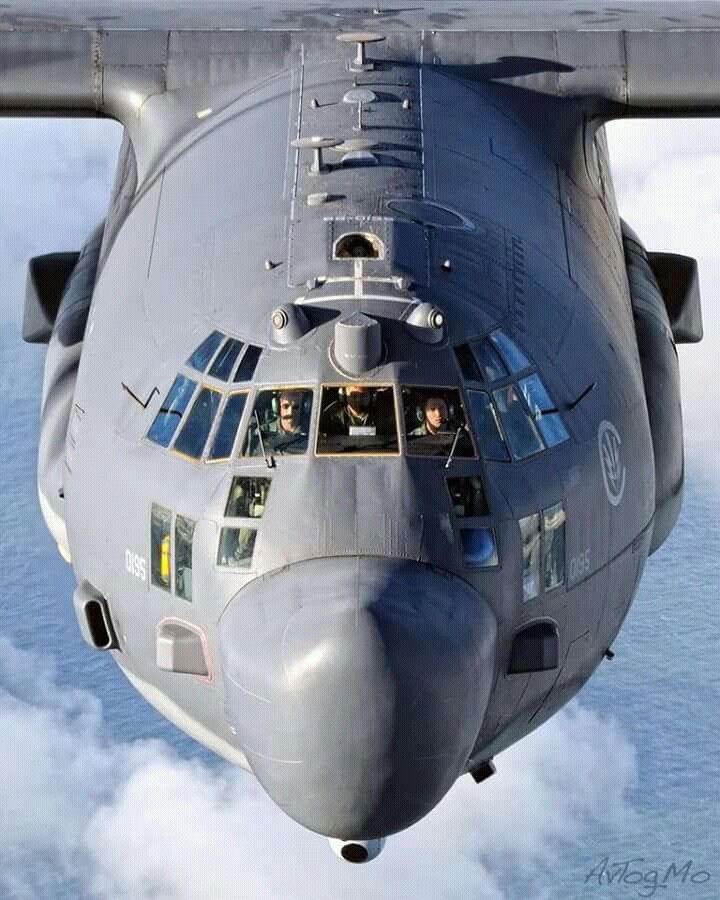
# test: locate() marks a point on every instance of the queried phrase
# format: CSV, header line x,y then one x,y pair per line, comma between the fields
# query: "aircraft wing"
x,y
118,58
108,56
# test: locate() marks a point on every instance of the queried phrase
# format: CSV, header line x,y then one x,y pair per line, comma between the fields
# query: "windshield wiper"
x,y
269,461
454,446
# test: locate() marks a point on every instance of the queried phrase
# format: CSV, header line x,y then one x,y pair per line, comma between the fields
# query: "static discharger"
x,y
317,145
360,63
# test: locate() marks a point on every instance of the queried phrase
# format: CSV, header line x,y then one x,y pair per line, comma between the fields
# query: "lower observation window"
x,y
236,548
160,522
358,419
435,423
468,497
247,498
184,531
479,548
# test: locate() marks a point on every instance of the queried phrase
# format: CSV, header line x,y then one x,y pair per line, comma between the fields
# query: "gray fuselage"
x,y
358,661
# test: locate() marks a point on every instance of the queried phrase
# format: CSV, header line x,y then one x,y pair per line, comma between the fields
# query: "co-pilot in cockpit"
x,y
435,423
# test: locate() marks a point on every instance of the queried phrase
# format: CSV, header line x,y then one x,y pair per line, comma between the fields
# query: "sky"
x,y
138,819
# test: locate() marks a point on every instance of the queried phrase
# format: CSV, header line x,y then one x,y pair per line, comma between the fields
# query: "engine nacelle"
x,y
58,414
661,377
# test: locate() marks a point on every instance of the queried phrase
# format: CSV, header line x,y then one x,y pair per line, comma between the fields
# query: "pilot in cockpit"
x,y
280,423
287,422
435,418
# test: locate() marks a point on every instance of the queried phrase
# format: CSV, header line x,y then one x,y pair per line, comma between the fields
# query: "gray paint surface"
x,y
358,666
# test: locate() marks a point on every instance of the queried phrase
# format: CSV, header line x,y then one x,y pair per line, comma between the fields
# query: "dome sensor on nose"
x,y
357,851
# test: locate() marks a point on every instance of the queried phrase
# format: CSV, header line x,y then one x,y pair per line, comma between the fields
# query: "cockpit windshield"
x,y
280,423
358,418
435,423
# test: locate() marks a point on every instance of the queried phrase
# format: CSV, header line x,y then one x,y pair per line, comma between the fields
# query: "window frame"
x,y
369,384
202,458
235,476
223,337
171,549
542,590
181,421
468,422
258,389
194,522
216,427
498,421
237,525
475,523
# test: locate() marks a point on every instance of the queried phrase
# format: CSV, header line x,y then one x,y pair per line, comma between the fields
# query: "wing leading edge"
x,y
143,65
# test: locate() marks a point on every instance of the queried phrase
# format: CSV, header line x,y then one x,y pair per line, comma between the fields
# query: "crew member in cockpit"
x,y
287,431
435,418
355,411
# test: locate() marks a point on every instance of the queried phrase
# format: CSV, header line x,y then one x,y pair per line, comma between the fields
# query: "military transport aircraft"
x,y
361,410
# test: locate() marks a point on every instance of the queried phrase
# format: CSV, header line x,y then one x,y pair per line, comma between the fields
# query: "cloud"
x,y
104,819
666,176
56,179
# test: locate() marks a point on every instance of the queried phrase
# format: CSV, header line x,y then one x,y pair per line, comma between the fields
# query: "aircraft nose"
x,y
357,687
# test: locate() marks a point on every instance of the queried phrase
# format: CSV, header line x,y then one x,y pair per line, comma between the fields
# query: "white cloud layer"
x,y
667,175
136,821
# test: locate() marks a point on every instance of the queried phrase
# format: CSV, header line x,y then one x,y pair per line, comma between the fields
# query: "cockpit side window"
x,y
191,440
435,422
358,418
280,423
226,359
171,412
546,416
521,433
248,363
200,359
512,355
487,427
224,440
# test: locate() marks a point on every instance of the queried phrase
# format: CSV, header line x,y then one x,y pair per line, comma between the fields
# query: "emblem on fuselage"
x,y
614,472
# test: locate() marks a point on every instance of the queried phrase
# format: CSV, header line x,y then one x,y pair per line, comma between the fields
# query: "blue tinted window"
x,y
468,363
200,359
226,359
168,419
479,547
513,356
541,407
247,367
519,429
195,431
491,365
225,435
487,429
